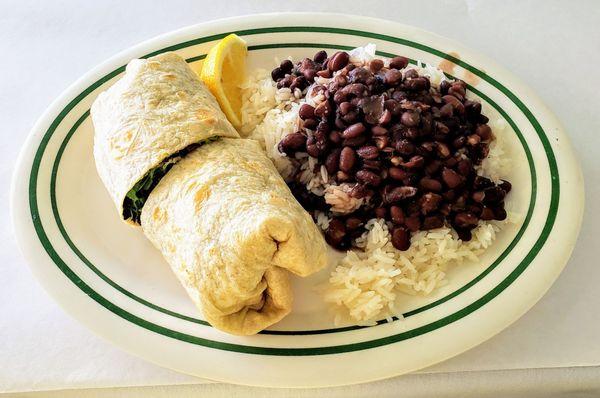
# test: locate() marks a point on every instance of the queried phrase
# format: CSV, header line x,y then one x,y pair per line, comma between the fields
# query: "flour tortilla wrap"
x,y
157,109
229,227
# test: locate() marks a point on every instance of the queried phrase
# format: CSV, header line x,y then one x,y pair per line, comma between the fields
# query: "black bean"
x,y
451,178
500,213
433,167
335,233
338,61
480,183
475,208
326,73
397,215
286,66
433,222
444,86
447,110
385,117
335,137
441,128
505,185
398,62
347,159
411,133
410,118
350,117
320,56
493,195
310,124
415,162
430,202
430,184
323,110
381,142
484,131
465,220
354,130
413,223
372,164
478,196
313,150
397,173
368,152
472,109
379,130
309,74
459,142
342,176
405,147
450,162
417,84
299,82
355,89
464,234
449,195
465,167
473,140
285,82
393,77
458,91
394,195
345,107
457,106
306,111
340,96
332,161
292,143
380,212
353,223
401,238
277,74
367,177
359,75
411,74
442,150
339,122
375,65
487,214
359,191
355,142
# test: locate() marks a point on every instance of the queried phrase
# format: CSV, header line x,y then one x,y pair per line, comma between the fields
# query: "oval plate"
x,y
109,277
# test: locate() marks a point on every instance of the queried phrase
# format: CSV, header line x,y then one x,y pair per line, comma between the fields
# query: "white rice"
x,y
366,285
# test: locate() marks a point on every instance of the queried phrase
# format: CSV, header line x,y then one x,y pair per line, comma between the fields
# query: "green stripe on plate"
x,y
555,192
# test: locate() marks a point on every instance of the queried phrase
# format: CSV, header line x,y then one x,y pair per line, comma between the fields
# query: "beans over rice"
x,y
393,161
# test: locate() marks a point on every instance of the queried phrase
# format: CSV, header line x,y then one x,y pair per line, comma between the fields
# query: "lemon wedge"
x,y
223,71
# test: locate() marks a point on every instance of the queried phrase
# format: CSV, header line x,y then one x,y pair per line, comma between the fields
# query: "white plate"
x,y
109,277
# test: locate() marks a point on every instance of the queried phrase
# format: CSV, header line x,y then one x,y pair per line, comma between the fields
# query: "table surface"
x,y
554,46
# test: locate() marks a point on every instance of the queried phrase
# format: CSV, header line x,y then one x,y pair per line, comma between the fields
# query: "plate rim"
x,y
223,22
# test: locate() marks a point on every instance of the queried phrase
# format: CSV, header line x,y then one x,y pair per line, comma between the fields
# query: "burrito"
x,y
230,229
156,113
212,203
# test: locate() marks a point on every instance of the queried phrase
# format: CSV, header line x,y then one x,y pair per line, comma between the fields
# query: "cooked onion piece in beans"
x,y
406,148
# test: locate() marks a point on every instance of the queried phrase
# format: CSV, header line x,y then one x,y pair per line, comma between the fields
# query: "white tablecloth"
x,y
552,45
